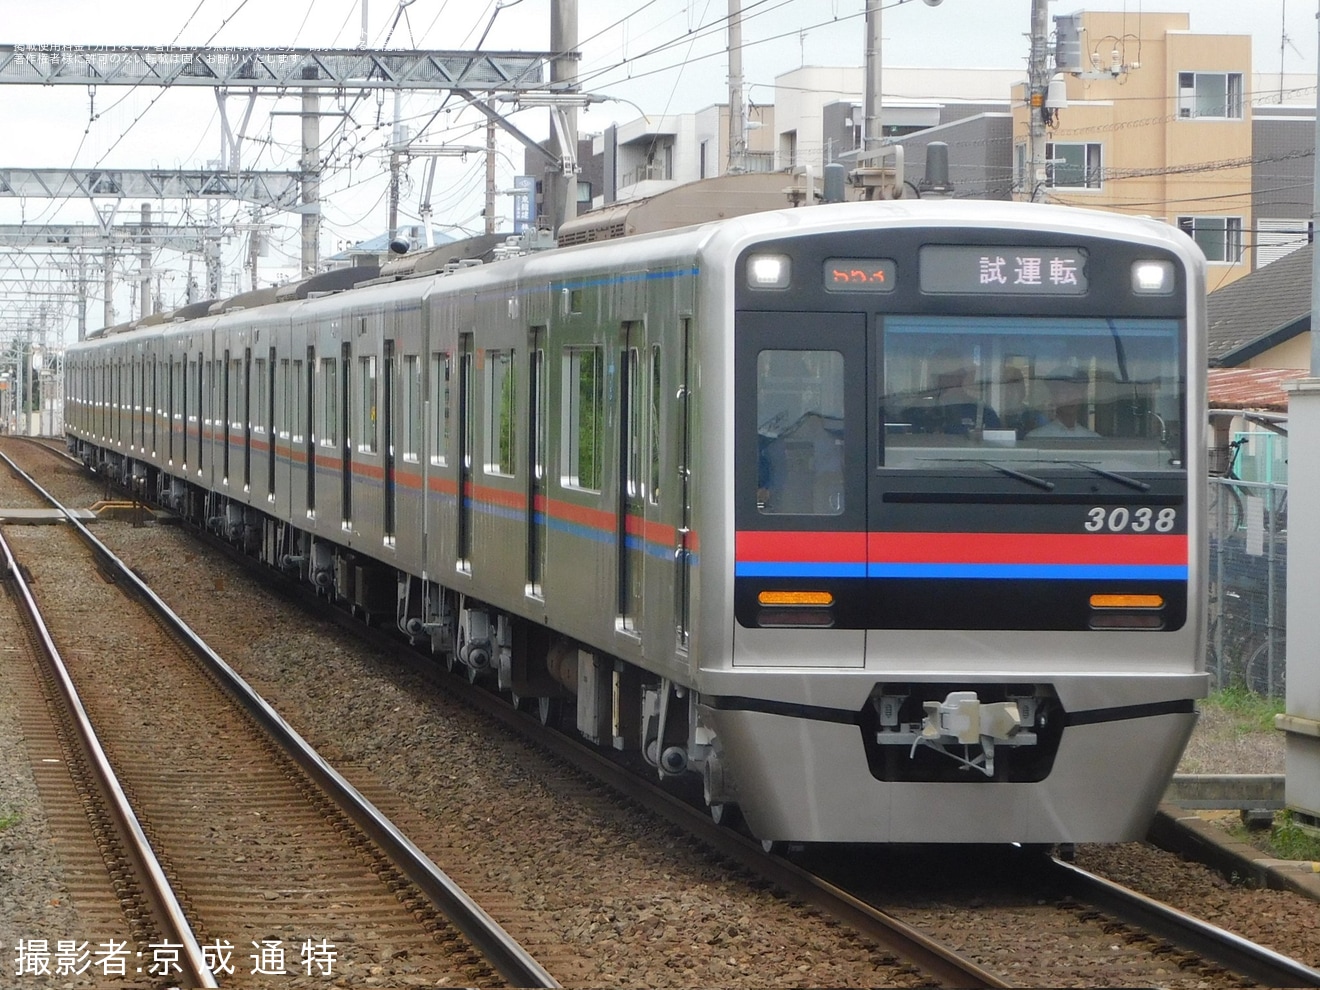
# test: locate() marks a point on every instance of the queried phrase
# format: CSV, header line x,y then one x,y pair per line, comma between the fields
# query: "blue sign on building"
x,y
524,202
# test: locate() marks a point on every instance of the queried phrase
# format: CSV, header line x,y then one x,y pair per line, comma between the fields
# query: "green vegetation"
x,y
1291,840
8,819
1246,710
1285,839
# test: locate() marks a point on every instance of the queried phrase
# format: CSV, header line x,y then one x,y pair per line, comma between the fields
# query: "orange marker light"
x,y
817,598
1127,601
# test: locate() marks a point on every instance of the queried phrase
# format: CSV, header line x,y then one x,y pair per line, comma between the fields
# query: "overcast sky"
x,y
654,56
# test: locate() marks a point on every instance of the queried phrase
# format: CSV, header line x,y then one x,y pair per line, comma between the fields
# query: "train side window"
x,y
259,407
212,401
636,402
800,432
410,428
237,394
286,391
365,414
655,402
297,403
441,394
328,427
582,418
499,425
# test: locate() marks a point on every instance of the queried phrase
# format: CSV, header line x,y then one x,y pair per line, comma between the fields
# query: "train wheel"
x,y
726,814
773,847
547,710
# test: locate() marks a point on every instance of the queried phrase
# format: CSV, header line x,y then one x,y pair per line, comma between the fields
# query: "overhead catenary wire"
x,y
344,154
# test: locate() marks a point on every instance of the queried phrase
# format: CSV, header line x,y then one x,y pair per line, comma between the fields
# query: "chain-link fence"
x,y
1248,584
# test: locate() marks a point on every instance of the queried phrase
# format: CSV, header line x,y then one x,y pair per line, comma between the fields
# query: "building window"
x,y
1210,94
1219,237
1073,166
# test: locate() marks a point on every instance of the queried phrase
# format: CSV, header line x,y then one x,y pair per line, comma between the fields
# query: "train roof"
x,y
480,247
703,201
680,213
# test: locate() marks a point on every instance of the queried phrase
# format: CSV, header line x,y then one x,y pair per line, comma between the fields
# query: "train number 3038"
x,y
1123,520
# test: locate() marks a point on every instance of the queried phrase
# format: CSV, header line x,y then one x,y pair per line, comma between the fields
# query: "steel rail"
x,y
1242,956
165,907
500,949
943,964
946,966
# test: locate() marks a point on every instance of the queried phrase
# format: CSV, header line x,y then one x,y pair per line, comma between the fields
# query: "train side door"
x,y
345,437
536,462
632,531
387,440
272,424
466,411
308,416
248,414
801,482
682,548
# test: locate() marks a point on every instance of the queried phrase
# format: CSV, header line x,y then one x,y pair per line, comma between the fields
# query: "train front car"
x,y
963,545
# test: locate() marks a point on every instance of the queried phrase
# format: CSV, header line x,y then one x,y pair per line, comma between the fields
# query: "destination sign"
x,y
948,269
859,275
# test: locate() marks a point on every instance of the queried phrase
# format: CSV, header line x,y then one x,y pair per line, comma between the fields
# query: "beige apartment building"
x,y
1157,122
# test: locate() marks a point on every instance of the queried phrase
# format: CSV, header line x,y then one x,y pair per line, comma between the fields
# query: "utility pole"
x,y
108,263
872,127
254,246
392,201
560,186
82,295
737,108
144,262
398,146
1038,81
311,176
490,175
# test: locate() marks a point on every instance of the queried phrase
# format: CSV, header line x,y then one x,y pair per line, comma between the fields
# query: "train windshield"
x,y
1032,392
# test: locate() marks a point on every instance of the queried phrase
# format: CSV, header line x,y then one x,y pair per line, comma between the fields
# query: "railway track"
x,y
281,868
1159,938
1238,955
1152,956
1158,941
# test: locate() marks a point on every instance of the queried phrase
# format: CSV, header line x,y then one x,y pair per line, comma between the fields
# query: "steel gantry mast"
x,y
520,77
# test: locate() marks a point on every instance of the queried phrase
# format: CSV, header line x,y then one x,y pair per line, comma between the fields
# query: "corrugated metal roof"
x,y
1252,388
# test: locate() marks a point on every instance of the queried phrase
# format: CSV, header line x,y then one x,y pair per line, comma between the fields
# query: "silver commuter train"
x,y
788,500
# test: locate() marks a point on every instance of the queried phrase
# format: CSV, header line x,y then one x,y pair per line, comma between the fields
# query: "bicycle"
x,y
1225,501
1245,648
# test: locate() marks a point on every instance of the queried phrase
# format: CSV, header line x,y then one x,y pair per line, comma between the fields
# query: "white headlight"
x,y
1152,278
768,271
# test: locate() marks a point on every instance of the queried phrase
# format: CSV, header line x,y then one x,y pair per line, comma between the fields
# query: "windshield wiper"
x,y
1122,479
1030,479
